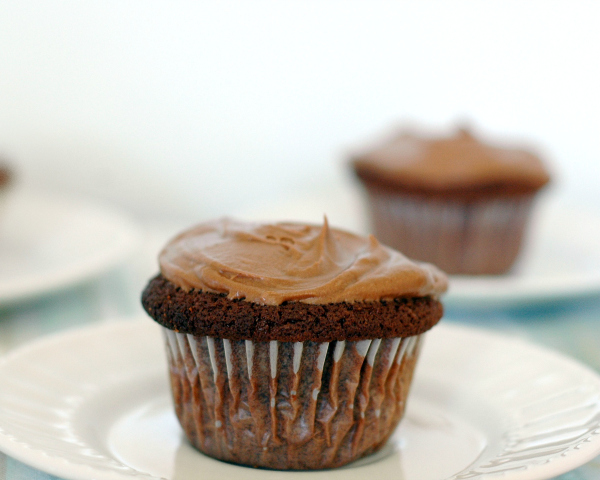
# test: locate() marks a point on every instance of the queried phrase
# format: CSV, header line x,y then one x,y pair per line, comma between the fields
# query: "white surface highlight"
x,y
322,354
193,346
172,344
227,349
210,342
362,347
373,351
297,356
339,350
411,346
273,349
249,356
402,350
393,350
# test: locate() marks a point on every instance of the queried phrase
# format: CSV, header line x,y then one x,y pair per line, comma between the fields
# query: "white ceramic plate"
x,y
560,259
95,404
48,243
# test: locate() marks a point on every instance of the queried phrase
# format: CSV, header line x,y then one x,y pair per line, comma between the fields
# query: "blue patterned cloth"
x,y
572,327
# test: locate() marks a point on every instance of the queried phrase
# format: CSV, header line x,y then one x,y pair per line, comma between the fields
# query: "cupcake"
x,y
290,346
456,202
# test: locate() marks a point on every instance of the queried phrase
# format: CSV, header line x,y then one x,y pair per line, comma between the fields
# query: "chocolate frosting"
x,y
415,161
271,264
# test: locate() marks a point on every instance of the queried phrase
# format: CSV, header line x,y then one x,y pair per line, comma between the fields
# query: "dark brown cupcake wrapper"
x,y
289,405
476,237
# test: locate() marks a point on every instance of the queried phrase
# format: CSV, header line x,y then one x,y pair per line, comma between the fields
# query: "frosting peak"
x,y
275,263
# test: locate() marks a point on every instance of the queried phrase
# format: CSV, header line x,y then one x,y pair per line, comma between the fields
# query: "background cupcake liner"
x,y
470,237
289,405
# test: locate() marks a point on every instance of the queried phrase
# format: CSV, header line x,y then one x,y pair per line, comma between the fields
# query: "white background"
x,y
199,108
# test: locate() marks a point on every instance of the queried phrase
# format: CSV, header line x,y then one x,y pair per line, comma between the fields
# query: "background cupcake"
x,y
456,202
290,346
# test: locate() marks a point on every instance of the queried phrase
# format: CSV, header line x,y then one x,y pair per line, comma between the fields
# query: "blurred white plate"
x,y
95,404
48,243
560,260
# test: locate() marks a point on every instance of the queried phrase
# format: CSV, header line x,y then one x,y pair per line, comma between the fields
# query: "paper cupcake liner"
x,y
476,237
289,405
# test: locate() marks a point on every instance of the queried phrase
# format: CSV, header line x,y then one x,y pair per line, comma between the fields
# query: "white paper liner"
x,y
477,237
289,405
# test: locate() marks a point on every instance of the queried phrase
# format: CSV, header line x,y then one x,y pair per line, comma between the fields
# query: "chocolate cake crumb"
x,y
211,314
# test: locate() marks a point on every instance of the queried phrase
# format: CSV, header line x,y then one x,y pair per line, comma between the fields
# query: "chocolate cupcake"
x,y
456,202
290,346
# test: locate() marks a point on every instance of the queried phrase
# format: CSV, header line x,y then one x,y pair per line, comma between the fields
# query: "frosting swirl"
x,y
275,263
457,162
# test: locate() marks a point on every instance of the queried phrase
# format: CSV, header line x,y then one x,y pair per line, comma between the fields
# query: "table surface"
x,y
572,327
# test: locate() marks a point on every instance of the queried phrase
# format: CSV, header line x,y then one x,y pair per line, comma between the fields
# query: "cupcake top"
x,y
269,264
453,165
290,282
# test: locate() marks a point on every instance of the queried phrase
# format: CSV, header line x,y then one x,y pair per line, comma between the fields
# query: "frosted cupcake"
x,y
290,346
456,202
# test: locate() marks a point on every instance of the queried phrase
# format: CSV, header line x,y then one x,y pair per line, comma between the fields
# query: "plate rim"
x,y
513,290
32,286
63,468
